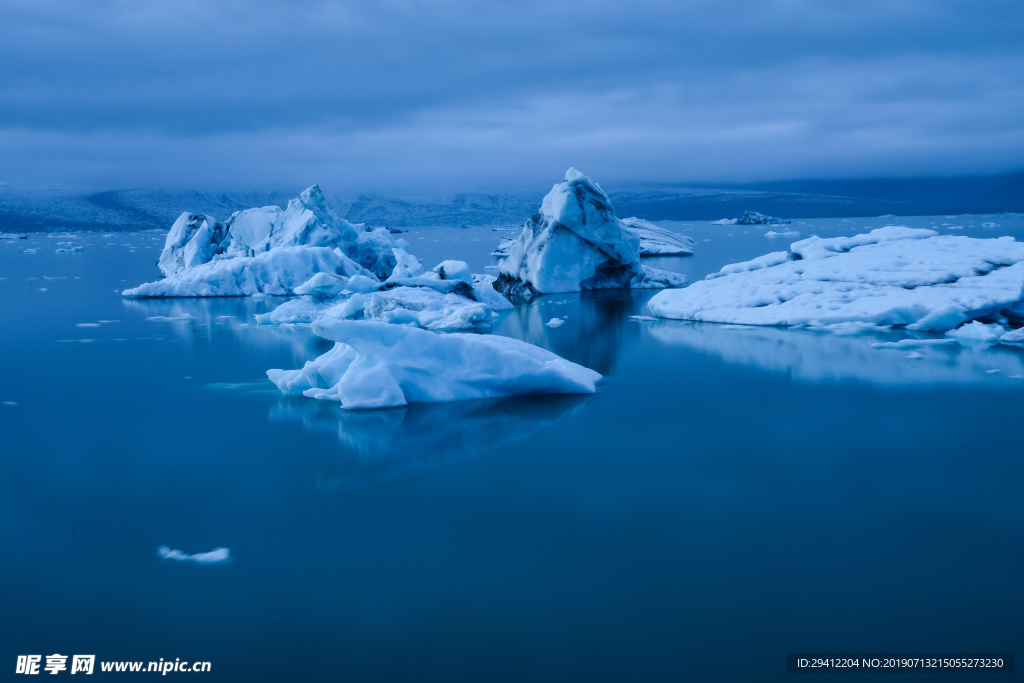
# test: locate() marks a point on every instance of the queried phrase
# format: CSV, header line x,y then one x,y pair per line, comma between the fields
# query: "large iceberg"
x,y
266,250
376,365
276,272
655,240
575,242
892,276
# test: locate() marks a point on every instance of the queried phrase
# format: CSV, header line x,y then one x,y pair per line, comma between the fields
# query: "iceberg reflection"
x,y
595,328
199,321
380,442
870,358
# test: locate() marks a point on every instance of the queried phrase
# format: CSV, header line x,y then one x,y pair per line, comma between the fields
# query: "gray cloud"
x,y
379,95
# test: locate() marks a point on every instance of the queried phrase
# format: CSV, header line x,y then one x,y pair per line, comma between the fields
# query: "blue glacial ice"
x,y
575,242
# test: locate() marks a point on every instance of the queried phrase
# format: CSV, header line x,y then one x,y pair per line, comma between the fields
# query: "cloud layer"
x,y
457,95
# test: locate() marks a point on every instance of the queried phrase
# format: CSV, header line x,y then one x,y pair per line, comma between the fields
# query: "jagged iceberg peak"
x,y
306,222
575,242
267,250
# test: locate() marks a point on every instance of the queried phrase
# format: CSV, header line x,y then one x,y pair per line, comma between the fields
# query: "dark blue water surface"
x,y
728,496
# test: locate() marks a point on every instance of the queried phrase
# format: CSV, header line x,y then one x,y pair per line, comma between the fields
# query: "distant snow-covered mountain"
x,y
44,209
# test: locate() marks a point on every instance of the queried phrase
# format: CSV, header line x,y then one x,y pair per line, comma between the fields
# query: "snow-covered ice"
x,y
891,276
375,365
655,240
1013,337
449,297
267,250
975,331
575,242
555,322
787,233
277,272
215,556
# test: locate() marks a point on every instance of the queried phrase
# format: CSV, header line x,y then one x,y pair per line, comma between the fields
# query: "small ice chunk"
x,y
787,233
977,332
555,322
170,318
655,240
1013,337
642,318
360,284
324,285
454,270
10,403
911,343
215,556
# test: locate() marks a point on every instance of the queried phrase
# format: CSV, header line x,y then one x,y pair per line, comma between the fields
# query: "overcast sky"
x,y
456,95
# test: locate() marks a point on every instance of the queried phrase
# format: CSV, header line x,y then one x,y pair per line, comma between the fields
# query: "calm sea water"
x,y
729,495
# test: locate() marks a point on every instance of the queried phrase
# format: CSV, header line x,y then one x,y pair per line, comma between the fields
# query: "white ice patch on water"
x,y
891,276
215,556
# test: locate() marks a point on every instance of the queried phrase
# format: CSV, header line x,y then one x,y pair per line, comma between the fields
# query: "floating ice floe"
x,y
575,242
655,240
975,331
375,365
787,233
892,276
448,298
267,250
12,236
215,556
555,322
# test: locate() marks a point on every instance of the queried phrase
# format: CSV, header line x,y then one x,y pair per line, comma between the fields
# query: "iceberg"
x,y
892,276
448,298
276,272
574,243
655,240
266,250
755,218
376,365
